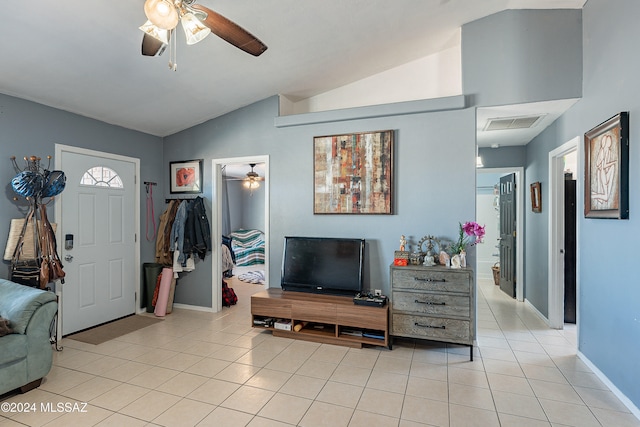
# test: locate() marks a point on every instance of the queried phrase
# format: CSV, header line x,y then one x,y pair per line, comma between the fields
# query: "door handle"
x,y
68,257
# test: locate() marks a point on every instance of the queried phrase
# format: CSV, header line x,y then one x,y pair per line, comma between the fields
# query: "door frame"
x,y
556,233
519,171
59,149
216,238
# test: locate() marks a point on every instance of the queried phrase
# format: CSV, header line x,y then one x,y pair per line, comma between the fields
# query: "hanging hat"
x,y
27,183
54,182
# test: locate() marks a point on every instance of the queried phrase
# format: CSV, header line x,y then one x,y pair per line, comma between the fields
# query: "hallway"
x,y
533,371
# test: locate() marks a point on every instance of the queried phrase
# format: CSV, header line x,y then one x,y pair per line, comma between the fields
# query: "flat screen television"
x,y
323,265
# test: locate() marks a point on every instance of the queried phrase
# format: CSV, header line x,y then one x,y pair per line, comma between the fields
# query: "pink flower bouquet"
x,y
471,233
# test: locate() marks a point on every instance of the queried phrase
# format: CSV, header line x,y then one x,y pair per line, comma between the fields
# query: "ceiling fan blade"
x,y
231,32
152,46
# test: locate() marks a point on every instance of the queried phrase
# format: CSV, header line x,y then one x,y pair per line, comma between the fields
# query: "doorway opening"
x,y
486,214
255,193
563,234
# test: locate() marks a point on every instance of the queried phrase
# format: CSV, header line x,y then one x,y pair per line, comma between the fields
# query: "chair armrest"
x,y
18,303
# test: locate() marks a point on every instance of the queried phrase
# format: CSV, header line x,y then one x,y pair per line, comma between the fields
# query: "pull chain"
x,y
173,48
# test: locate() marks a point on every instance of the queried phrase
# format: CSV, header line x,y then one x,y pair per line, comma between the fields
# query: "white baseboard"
x,y
185,306
194,307
602,377
536,311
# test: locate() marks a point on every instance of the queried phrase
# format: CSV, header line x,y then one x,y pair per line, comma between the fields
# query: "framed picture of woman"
x,y
606,172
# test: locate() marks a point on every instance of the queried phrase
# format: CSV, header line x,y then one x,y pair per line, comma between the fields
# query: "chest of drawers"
x,y
433,303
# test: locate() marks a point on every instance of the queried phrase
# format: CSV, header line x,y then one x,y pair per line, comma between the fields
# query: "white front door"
x,y
98,214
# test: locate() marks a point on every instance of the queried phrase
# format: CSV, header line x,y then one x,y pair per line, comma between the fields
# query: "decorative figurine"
x,y
416,258
445,259
429,261
401,257
430,258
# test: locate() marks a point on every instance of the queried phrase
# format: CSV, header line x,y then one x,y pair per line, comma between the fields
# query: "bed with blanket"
x,y
248,247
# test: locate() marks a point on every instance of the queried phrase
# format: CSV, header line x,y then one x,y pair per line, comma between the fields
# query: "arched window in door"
x,y
101,176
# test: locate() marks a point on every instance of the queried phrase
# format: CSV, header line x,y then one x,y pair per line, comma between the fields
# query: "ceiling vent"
x,y
511,123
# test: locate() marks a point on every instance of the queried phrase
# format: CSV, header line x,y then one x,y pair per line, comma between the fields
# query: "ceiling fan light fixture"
x,y
194,29
197,22
162,13
251,184
155,32
252,181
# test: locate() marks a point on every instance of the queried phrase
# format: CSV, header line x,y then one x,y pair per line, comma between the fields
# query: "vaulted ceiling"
x,y
84,57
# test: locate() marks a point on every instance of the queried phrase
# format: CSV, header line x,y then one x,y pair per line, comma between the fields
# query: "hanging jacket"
x,y
189,237
177,231
163,236
200,232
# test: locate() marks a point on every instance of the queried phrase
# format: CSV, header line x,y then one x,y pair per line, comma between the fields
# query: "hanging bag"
x,y
51,267
26,271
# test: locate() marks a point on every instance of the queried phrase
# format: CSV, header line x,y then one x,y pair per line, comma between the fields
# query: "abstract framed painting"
x,y
606,171
186,177
353,173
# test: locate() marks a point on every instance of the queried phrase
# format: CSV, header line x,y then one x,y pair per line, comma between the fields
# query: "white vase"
x,y
463,259
455,261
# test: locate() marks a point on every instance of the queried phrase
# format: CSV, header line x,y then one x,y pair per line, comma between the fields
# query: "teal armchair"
x,y
26,354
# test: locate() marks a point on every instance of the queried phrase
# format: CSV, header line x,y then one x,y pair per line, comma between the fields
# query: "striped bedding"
x,y
248,247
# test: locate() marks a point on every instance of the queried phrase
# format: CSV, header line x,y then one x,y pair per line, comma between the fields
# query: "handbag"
x,y
26,271
27,183
51,268
229,296
54,183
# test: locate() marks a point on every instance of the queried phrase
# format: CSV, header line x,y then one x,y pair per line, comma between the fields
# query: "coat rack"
x,y
35,183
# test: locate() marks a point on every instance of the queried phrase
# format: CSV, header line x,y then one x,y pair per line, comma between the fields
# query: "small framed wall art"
x,y
186,177
536,197
606,171
353,173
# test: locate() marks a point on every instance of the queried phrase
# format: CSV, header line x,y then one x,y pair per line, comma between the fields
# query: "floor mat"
x,y
256,277
115,329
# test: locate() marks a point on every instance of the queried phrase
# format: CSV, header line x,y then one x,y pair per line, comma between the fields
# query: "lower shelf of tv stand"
x,y
335,313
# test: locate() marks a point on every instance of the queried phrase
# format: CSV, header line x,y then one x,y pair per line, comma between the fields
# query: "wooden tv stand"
x,y
326,318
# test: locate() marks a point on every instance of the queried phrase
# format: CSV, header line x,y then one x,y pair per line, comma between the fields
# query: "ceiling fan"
x,y
251,181
197,21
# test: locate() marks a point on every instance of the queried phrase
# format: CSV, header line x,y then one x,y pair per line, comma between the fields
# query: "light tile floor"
x,y
206,369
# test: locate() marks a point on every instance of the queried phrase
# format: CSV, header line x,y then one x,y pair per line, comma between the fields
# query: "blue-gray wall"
x,y
521,56
434,161
246,208
27,129
609,295
537,241
504,157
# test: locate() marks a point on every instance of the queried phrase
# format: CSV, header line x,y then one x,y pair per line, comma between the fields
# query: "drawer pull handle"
x,y
429,326
420,279
430,302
